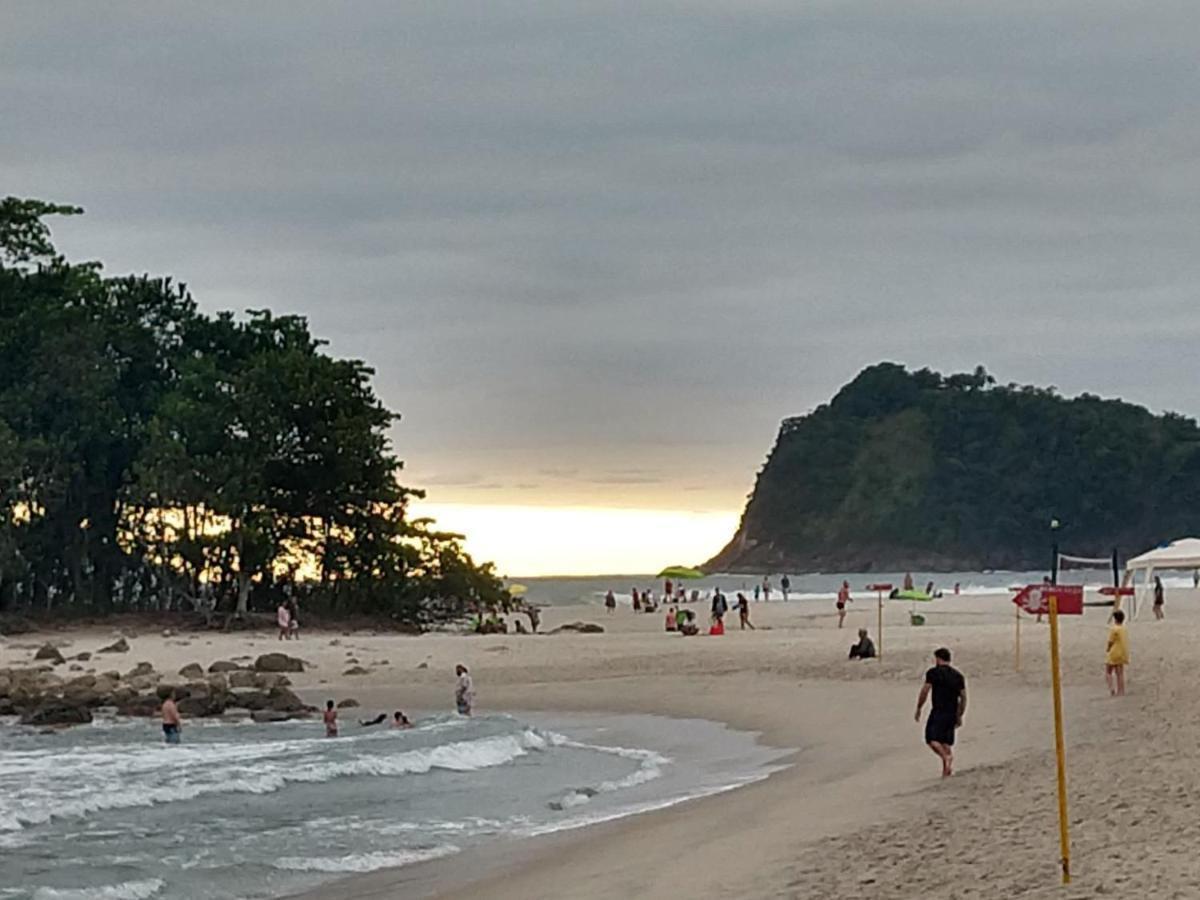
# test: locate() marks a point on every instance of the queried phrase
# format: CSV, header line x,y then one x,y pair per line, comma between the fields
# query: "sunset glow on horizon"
x,y
526,541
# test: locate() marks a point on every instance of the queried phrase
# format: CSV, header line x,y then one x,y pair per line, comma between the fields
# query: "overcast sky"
x,y
597,251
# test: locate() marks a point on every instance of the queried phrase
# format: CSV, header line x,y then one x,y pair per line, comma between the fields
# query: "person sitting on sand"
x,y
743,608
1116,656
671,621
171,724
949,690
283,618
464,691
865,648
331,722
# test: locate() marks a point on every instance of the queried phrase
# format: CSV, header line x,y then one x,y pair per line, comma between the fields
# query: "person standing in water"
x,y
1116,655
785,585
464,691
610,602
843,598
331,722
1158,598
949,689
171,723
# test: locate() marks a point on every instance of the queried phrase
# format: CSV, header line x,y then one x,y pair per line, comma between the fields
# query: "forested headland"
x,y
919,470
156,458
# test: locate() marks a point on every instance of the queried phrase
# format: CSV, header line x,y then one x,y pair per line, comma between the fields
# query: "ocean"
x,y
259,811
562,590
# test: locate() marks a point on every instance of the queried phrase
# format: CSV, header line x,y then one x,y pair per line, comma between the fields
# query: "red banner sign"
x,y
1035,599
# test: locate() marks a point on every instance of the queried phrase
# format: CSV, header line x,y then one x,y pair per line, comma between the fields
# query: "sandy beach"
x,y
860,811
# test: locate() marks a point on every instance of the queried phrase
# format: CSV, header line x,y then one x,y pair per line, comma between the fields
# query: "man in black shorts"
x,y
949,704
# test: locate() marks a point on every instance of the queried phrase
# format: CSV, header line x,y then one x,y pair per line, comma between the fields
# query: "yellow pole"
x,y
1063,835
880,627
1017,645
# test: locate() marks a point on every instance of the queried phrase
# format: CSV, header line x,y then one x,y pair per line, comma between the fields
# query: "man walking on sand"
x,y
949,690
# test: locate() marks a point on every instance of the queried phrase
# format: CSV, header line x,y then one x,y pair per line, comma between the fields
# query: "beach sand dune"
x,y
860,812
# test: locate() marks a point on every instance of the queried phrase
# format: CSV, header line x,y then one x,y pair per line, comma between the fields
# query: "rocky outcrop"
x,y
49,653
192,671
278,662
57,712
224,665
120,646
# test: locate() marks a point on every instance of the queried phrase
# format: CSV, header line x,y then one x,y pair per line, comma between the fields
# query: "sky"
x,y
597,251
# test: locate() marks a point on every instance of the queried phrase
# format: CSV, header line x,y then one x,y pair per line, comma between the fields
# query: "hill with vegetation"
x,y
916,470
155,458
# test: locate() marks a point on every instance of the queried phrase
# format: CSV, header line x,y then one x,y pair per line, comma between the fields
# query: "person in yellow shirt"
x,y
1116,655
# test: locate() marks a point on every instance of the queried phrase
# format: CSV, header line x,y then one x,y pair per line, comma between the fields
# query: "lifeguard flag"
x,y
1035,599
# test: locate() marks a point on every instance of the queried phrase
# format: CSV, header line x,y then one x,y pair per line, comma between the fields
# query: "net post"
x,y
1064,836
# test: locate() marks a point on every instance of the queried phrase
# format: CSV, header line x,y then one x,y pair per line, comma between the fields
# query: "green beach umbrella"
x,y
680,572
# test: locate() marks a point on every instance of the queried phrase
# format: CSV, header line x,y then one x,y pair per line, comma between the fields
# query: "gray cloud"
x,y
602,236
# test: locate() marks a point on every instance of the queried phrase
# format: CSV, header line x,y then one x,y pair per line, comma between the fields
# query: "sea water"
x,y
821,586
254,811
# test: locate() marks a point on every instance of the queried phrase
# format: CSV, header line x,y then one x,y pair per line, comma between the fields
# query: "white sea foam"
x,y
363,862
126,890
258,773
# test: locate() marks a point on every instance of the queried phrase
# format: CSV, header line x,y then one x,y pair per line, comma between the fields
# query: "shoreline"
x,y
861,803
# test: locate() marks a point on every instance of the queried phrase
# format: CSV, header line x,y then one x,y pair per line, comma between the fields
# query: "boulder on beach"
x,y
268,680
348,703
82,657
240,678
283,699
120,646
142,668
249,698
224,665
141,705
278,662
51,653
57,712
356,670
274,715
192,671
580,628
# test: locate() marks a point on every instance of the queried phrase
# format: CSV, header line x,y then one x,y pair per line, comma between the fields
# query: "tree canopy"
x,y
153,457
916,469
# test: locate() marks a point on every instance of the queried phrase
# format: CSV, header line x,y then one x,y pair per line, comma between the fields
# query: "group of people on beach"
x,y
287,617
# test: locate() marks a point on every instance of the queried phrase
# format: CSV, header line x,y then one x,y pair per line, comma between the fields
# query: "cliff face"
x,y
918,470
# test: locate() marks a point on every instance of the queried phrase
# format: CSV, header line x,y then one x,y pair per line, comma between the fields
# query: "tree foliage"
x,y
154,457
919,469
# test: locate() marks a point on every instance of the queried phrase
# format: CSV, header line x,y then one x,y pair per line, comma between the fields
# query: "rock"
x,y
352,661
268,680
6,707
82,657
142,668
121,646
278,662
282,699
192,671
218,683
140,705
580,628
50,652
244,679
57,712
348,703
356,670
423,665
202,705
273,715
122,696
249,699
144,682
224,665
381,662
335,643
168,632
75,667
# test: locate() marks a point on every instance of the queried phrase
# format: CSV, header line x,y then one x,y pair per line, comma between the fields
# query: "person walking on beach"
x,y
743,608
293,607
719,606
610,602
637,601
171,723
785,585
1116,655
330,717
464,691
843,598
1158,598
949,689
757,592
766,586
283,618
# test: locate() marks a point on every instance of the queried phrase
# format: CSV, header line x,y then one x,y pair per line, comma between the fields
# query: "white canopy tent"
x,y
1181,554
